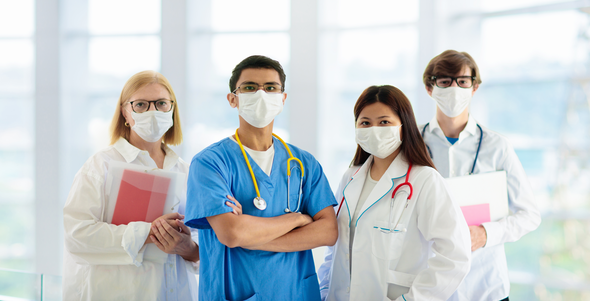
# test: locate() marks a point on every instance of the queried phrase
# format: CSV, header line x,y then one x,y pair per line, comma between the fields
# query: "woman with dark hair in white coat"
x,y
401,236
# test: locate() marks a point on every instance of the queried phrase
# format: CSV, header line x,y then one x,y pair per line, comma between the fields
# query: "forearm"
x,y
322,232
101,243
193,255
246,230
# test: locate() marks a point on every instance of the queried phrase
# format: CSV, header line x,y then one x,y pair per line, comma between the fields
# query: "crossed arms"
x,y
290,232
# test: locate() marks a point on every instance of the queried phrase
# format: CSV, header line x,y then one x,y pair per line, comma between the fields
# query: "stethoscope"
x,y
478,146
390,229
259,202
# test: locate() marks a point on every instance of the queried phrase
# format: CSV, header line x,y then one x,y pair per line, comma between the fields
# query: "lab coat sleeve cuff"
x,y
493,233
134,240
324,292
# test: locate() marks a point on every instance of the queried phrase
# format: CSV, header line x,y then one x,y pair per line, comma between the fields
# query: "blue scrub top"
x,y
242,274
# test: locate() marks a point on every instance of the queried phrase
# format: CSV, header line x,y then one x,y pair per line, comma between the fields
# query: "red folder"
x,y
141,197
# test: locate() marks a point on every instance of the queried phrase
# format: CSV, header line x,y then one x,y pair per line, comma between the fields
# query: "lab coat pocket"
x,y
398,283
387,242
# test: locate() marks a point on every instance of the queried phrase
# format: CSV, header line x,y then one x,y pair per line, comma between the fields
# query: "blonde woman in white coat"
x,y
139,260
412,246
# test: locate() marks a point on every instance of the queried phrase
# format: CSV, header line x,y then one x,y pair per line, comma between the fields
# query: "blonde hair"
x,y
118,129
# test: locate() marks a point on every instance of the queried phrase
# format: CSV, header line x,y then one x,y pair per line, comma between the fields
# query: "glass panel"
x,y
16,18
16,67
52,288
16,249
256,15
347,67
124,17
113,60
349,14
19,285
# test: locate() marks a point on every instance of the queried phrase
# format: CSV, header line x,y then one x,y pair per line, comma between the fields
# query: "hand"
x,y
236,206
173,241
479,237
169,218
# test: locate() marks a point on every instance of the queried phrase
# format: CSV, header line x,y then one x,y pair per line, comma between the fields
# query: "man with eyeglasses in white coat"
x,y
459,146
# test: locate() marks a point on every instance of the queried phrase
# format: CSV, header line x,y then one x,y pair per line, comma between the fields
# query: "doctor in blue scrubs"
x,y
256,223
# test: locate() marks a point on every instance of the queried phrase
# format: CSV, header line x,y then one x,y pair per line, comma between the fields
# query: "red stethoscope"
x,y
406,183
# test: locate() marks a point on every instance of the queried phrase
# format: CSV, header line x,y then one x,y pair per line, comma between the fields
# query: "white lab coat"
x,y
108,262
428,262
488,278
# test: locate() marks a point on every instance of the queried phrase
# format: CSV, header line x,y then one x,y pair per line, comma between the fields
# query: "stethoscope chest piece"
x,y
259,203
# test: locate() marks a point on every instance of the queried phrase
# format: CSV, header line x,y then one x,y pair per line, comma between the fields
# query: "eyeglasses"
x,y
253,87
162,105
447,81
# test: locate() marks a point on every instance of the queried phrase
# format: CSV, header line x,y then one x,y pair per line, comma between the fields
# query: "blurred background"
x,y
63,64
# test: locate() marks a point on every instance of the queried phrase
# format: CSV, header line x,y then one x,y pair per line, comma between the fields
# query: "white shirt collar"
x,y
470,128
130,153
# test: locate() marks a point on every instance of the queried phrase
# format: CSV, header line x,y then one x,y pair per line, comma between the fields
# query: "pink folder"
x,y
476,215
141,197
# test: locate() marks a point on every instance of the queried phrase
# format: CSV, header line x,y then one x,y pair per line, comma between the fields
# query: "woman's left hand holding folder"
x,y
173,241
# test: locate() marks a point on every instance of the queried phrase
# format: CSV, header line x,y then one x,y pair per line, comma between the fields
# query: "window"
x,y
17,130
221,34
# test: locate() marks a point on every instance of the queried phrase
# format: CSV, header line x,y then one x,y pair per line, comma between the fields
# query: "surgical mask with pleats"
x,y
260,109
452,101
379,141
152,125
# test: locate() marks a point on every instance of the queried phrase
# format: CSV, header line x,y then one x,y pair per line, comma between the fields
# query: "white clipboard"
x,y
485,188
175,192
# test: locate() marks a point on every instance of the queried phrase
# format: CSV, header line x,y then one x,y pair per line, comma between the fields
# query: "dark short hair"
x,y
256,62
449,63
413,145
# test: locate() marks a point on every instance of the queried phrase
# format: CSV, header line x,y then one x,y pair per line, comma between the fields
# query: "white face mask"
x,y
152,125
452,101
260,109
379,141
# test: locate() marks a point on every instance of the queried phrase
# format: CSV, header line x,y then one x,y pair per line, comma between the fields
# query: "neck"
x,y
153,148
380,166
258,139
452,126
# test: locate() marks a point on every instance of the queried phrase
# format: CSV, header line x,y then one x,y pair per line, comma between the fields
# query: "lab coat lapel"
x,y
353,189
384,187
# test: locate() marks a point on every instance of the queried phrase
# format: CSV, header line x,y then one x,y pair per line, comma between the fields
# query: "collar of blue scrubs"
x,y
130,153
470,128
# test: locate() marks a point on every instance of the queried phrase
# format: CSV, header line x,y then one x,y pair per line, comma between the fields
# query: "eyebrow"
x,y
380,117
150,100
249,83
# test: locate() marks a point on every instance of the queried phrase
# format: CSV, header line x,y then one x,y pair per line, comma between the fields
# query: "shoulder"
x,y
97,165
213,152
302,154
425,175
498,143
183,166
